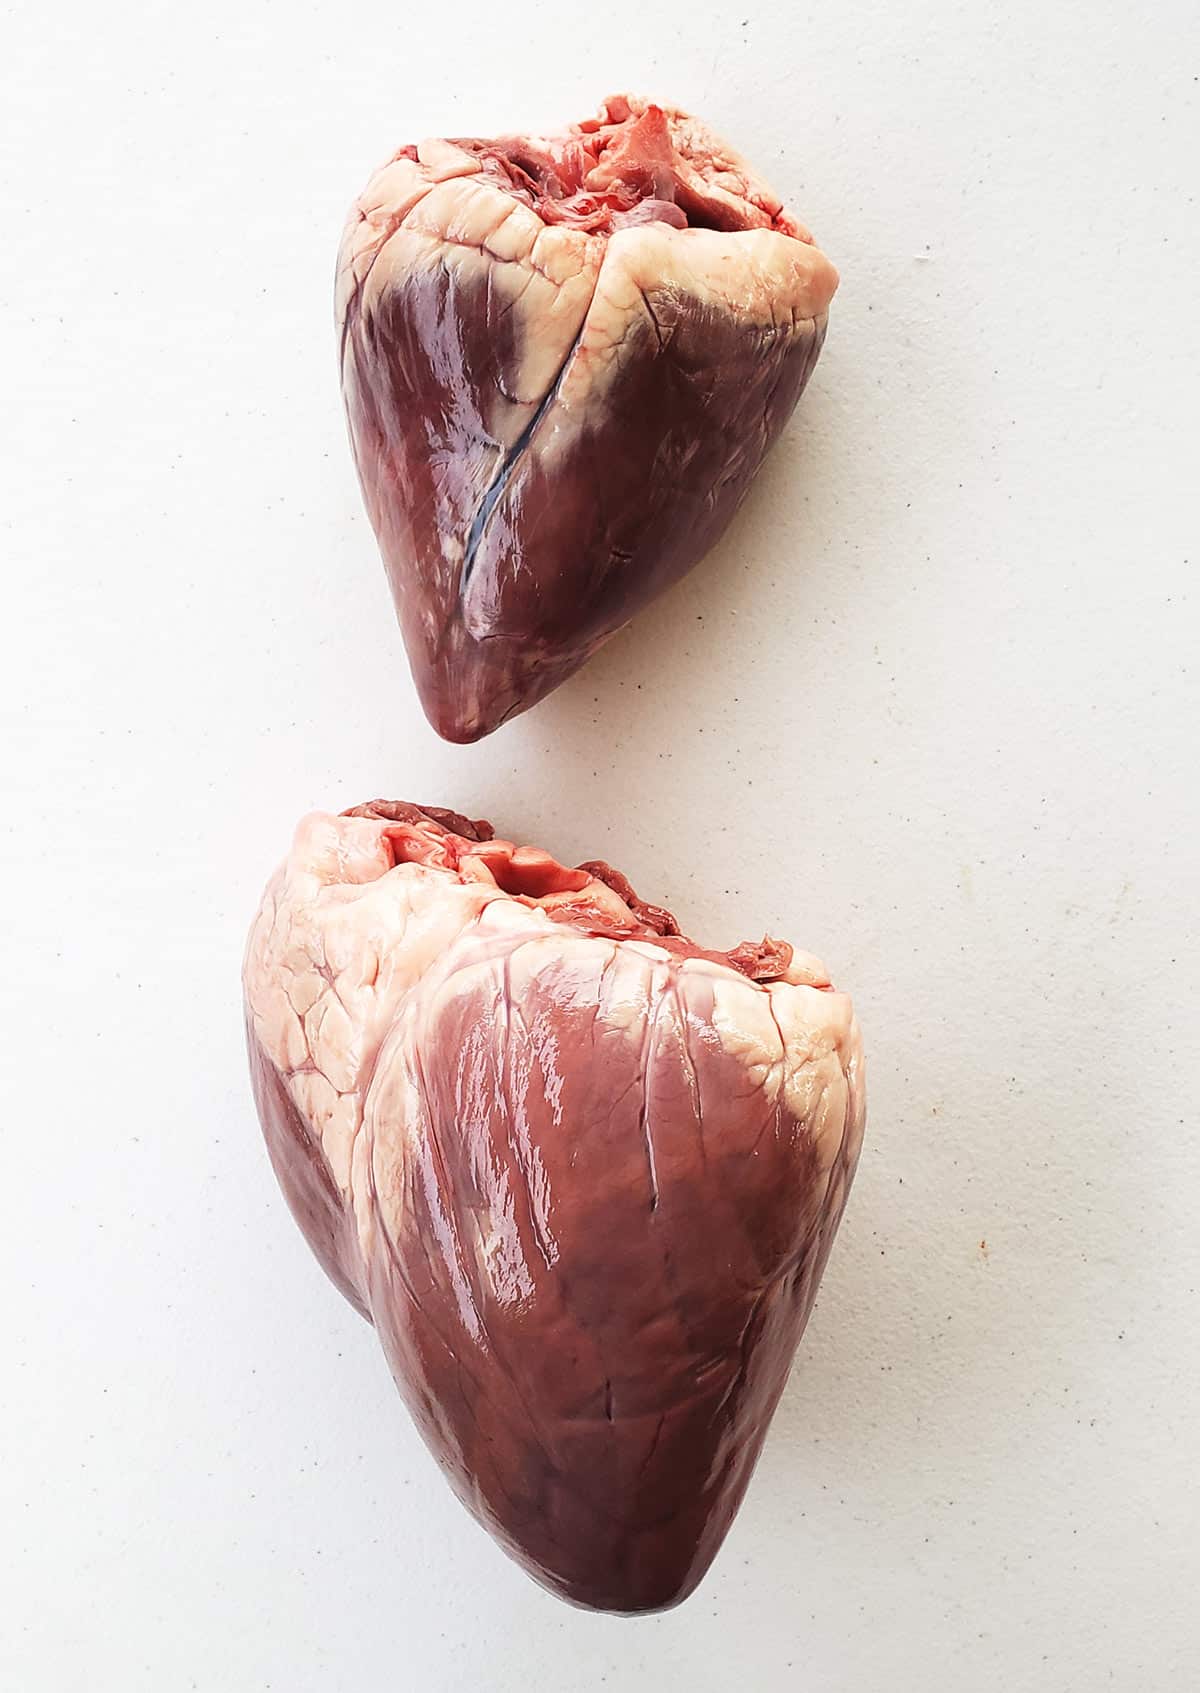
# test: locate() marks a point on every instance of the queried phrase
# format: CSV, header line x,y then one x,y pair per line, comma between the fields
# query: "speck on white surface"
x,y
930,711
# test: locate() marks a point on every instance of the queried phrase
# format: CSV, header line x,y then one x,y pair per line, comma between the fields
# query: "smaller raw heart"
x,y
563,361
582,1174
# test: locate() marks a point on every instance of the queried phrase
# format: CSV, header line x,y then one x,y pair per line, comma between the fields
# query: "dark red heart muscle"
x,y
563,360
582,1174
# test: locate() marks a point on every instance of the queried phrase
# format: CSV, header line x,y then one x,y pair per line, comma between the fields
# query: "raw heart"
x,y
582,1174
563,362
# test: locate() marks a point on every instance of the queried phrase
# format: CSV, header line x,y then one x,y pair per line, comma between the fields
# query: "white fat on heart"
x,y
545,274
344,937
340,939
580,291
796,1041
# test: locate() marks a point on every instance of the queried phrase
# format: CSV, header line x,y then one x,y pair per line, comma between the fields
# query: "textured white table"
x,y
928,712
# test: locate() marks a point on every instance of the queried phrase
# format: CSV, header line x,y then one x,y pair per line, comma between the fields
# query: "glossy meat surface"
x,y
581,1173
563,361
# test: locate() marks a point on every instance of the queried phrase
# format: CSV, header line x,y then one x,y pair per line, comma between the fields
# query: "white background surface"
x,y
929,711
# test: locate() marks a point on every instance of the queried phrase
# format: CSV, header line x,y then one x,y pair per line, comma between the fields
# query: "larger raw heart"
x,y
563,361
582,1174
